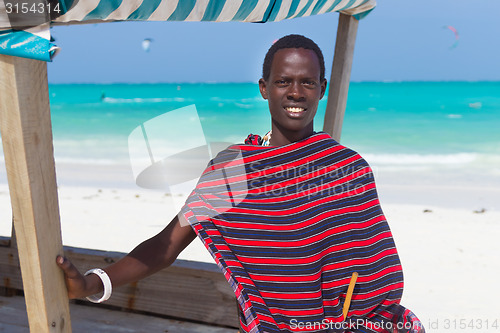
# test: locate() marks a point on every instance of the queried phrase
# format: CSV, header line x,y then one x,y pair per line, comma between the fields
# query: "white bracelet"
x,y
106,283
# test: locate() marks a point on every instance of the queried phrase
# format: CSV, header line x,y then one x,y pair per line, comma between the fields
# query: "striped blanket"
x,y
288,226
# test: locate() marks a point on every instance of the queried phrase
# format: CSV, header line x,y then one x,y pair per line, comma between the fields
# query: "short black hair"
x,y
292,42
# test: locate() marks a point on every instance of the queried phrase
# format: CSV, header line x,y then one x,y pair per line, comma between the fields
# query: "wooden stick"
x,y
29,158
186,290
340,76
350,290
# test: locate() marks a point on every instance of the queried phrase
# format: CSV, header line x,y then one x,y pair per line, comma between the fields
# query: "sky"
x,y
401,40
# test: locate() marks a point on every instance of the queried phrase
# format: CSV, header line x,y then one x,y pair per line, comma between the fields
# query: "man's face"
x,y
293,90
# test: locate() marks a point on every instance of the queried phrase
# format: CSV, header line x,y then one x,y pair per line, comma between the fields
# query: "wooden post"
x,y
341,74
26,132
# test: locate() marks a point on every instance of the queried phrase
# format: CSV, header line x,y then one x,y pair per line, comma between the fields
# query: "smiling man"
x,y
293,81
288,218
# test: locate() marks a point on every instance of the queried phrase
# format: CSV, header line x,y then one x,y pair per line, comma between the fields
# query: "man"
x,y
288,221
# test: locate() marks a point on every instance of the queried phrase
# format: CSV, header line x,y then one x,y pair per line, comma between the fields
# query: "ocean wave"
x,y
381,160
92,161
120,161
244,106
238,100
423,159
144,100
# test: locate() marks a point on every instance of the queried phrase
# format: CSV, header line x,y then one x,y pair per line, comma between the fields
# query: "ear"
x,y
323,88
263,88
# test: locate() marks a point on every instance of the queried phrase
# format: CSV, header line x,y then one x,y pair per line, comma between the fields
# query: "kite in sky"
x,y
146,44
457,36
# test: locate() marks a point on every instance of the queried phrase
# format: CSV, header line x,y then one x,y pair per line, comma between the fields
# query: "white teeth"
x,y
293,109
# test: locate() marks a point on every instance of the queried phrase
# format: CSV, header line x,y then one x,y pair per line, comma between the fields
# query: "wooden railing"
x,y
187,290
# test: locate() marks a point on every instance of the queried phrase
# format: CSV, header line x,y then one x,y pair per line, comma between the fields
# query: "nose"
x,y
296,92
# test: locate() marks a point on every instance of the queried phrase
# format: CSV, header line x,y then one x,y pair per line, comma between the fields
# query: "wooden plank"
x,y
340,76
103,320
26,131
186,290
370,4
5,241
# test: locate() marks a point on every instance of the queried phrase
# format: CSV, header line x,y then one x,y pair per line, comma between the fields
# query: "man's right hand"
x,y
76,283
147,258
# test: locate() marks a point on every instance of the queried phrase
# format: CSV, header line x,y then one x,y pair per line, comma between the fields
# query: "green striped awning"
x,y
24,25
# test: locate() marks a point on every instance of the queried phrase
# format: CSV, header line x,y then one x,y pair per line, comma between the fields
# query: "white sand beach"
x,y
446,233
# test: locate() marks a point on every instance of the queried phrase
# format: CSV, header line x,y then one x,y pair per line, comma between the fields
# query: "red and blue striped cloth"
x,y
288,226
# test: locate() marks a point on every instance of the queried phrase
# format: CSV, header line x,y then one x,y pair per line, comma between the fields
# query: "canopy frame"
x,y
340,75
26,130
28,148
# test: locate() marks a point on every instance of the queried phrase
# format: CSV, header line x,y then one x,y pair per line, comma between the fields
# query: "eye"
x,y
281,83
310,84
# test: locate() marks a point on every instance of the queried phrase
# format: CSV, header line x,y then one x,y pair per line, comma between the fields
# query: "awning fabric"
x,y
24,26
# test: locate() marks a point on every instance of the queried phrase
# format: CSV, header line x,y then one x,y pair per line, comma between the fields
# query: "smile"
x,y
294,109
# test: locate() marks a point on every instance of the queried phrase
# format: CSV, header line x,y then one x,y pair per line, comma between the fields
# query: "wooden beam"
x,y
340,76
186,290
89,319
26,131
367,6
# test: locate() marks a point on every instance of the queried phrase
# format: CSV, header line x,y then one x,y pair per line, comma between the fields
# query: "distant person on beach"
x,y
292,219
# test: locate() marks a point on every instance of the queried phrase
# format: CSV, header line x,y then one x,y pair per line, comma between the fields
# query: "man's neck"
x,y
281,137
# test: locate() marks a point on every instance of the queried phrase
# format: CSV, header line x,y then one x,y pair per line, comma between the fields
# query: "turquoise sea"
x,y
394,124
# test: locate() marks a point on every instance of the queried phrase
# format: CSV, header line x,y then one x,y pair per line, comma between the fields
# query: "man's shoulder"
x,y
340,148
